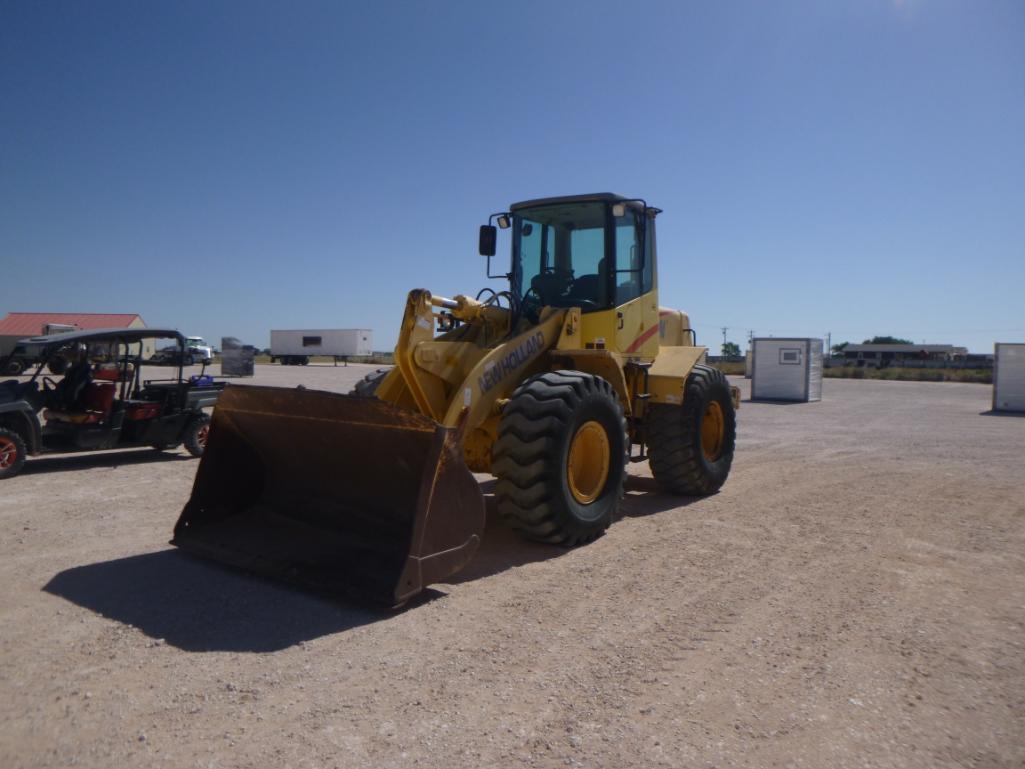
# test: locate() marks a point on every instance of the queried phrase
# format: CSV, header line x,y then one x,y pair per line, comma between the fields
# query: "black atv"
x,y
101,401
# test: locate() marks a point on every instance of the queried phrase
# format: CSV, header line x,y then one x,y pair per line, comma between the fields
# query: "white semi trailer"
x,y
295,347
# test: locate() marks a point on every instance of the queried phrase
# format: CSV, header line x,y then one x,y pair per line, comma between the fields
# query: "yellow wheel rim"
x,y
588,466
713,430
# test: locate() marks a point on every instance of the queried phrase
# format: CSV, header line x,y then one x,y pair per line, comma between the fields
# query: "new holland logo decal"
x,y
503,367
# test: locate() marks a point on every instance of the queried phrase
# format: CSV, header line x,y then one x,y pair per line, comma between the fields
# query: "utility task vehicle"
x,y
101,401
554,383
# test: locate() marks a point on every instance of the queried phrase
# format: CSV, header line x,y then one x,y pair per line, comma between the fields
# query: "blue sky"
x,y
231,167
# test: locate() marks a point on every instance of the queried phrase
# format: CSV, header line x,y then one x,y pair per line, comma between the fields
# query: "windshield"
x,y
559,255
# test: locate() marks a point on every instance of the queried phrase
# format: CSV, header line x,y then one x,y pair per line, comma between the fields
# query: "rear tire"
x,y
12,453
14,367
560,458
690,447
367,386
196,434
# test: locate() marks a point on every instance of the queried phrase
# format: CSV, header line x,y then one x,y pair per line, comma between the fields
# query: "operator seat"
x,y
68,396
592,287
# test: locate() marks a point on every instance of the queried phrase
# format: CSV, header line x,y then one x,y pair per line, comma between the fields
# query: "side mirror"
x,y
488,239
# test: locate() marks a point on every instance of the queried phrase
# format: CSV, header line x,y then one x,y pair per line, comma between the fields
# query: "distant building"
x,y
896,354
20,325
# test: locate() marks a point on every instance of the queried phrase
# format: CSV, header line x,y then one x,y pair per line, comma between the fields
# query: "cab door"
x,y
636,298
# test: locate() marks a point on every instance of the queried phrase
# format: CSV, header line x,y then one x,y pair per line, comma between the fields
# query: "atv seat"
x,y
72,418
138,410
111,372
93,406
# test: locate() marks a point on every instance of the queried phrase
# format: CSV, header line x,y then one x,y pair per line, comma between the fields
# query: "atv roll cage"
x,y
101,400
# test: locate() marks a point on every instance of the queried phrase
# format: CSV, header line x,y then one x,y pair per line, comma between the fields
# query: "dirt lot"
x,y
855,596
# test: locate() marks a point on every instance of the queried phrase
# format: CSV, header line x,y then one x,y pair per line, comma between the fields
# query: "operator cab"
x,y
595,252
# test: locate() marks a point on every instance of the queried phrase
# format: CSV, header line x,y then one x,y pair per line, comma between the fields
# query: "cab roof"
x,y
594,197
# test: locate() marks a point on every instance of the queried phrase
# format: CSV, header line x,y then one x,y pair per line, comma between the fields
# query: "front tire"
x,y
196,434
690,447
13,453
560,458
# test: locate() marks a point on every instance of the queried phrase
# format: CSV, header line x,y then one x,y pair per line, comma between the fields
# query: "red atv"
x,y
101,400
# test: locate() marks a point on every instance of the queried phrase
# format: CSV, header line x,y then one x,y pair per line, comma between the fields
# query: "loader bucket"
x,y
340,493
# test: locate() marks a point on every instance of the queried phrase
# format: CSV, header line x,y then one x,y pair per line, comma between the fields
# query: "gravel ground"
x,y
854,596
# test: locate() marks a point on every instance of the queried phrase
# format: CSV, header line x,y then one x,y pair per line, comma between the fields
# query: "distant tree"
x,y
837,349
731,350
887,340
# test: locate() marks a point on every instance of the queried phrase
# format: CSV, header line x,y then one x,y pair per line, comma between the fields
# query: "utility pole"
x,y
829,343
724,329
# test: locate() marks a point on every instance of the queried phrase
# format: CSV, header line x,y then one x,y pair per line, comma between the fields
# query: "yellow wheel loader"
x,y
553,385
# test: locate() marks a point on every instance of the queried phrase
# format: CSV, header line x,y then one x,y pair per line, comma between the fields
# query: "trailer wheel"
x,y
560,457
690,447
12,453
196,434
14,367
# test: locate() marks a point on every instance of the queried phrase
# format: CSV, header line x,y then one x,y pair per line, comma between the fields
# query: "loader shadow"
x,y
104,459
994,413
502,548
198,606
645,497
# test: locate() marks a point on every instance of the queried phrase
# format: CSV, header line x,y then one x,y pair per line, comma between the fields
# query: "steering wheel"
x,y
551,285
531,304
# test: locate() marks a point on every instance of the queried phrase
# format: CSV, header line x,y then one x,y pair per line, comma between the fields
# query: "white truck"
x,y
199,350
295,347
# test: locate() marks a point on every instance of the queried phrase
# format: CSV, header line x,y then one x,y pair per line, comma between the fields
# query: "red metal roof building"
x,y
18,325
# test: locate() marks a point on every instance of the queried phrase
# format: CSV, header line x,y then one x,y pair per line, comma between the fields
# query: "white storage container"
x,y
786,369
1008,377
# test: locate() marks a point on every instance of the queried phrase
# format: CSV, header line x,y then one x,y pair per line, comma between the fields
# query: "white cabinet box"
x,y
1008,377
786,369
